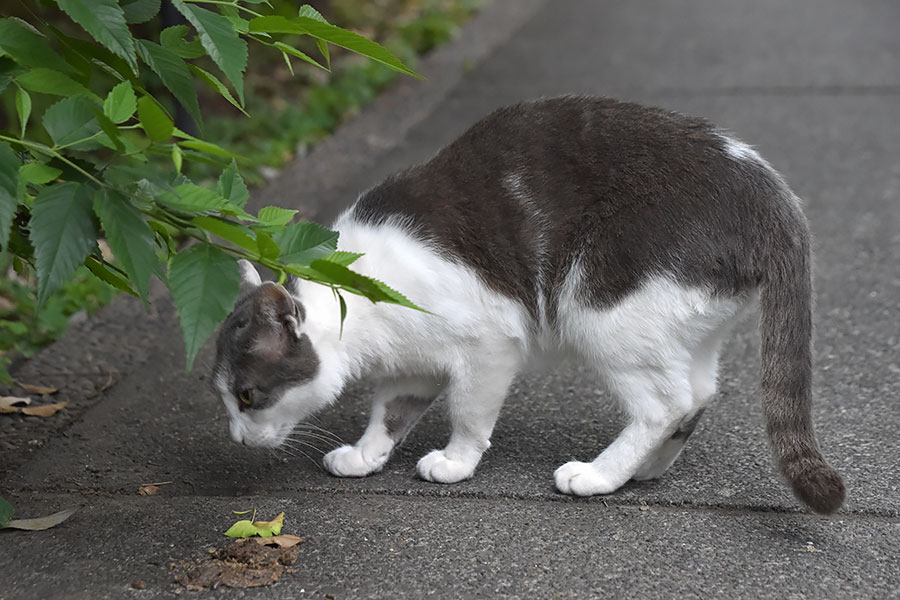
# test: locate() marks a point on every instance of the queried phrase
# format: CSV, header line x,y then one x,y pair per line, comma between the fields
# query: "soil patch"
x,y
240,564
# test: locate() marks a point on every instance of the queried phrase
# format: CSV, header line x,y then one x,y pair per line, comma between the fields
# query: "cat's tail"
x,y
785,296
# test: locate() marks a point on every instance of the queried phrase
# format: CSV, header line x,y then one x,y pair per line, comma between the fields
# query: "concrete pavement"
x,y
814,85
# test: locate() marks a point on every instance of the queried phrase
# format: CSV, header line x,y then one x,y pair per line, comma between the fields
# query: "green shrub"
x,y
84,137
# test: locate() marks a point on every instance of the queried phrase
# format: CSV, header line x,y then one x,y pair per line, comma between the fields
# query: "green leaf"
x,y
23,108
172,39
331,34
207,147
105,21
6,511
343,313
177,157
204,282
301,243
308,11
106,275
128,236
62,233
139,11
275,216
191,198
154,120
120,103
222,44
373,289
113,137
213,82
237,234
9,183
38,173
173,72
232,187
71,120
29,48
48,81
267,246
302,56
342,258
247,528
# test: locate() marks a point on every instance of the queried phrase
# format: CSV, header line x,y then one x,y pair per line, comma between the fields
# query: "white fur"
x,y
657,350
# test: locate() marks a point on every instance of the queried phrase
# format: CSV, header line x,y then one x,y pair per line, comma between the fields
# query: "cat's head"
x,y
266,365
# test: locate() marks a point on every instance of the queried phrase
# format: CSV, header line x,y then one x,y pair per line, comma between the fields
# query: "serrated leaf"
x,y
308,11
113,137
48,81
29,48
6,512
38,173
342,258
275,216
120,103
231,186
213,82
172,38
128,236
331,34
105,21
23,109
174,74
301,55
9,183
154,120
218,37
204,282
139,11
373,289
191,198
62,233
106,275
71,120
301,243
266,246
239,235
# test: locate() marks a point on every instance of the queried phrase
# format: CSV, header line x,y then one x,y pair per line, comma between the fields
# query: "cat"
x,y
586,228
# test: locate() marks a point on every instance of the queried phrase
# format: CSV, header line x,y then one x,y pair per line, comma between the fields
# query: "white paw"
x,y
436,467
582,479
351,461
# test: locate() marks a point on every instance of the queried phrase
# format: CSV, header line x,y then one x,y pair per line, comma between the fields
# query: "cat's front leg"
x,y
474,402
397,407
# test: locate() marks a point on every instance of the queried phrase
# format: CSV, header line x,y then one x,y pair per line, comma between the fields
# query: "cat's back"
x,y
624,189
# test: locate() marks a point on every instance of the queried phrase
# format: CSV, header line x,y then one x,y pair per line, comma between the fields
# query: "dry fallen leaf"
x,y
46,410
8,404
284,540
41,523
148,490
36,389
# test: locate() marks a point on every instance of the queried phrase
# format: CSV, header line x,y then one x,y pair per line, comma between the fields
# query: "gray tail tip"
x,y
816,484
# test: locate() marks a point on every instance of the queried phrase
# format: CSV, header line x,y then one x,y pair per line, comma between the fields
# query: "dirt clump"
x,y
240,564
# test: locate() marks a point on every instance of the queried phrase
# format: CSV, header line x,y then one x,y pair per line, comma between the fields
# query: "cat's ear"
x,y
276,319
249,275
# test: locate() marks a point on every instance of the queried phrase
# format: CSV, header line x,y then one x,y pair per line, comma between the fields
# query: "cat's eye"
x,y
246,398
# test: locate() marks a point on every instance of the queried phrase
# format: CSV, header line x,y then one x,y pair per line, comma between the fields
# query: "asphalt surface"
x,y
813,84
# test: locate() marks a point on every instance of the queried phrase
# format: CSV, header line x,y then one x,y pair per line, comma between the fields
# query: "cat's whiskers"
x,y
294,442
295,452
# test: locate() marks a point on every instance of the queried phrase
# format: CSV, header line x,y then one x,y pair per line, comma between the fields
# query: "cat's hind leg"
x,y
396,408
658,400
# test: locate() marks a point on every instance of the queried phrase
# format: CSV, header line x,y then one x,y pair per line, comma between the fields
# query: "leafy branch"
x,y
83,163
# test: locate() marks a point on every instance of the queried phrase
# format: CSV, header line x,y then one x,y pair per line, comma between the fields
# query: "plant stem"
x,y
51,152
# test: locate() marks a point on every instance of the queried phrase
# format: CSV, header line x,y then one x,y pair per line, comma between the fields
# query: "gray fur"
x,y
262,315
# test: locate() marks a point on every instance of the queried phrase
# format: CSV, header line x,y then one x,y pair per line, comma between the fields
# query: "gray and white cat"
x,y
626,237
